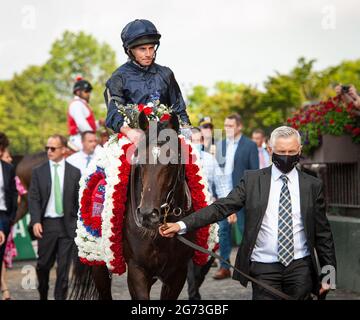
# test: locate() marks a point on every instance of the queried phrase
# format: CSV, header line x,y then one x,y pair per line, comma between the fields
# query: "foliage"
x,y
332,116
33,104
283,94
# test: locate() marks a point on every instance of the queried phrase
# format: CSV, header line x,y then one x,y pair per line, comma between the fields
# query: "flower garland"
x,y
119,200
91,221
153,110
104,247
206,237
88,238
100,240
117,173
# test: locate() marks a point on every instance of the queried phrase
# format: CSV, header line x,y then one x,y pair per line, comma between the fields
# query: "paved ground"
x,y
21,279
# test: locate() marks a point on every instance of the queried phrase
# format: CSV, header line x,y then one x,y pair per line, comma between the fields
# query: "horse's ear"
x,y
143,121
174,122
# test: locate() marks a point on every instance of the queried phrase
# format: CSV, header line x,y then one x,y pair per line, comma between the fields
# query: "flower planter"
x,y
335,149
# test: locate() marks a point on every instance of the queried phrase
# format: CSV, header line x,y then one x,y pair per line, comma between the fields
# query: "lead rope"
x,y
268,288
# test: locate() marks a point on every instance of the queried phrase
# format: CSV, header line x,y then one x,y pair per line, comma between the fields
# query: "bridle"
x,y
168,206
170,198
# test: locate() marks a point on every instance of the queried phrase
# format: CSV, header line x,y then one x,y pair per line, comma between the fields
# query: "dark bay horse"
x,y
154,189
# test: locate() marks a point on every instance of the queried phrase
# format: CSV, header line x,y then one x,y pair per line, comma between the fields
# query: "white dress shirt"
x,y
50,211
80,160
266,247
2,191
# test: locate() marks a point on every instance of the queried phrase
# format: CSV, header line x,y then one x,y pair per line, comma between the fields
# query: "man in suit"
x,y
235,154
83,158
53,206
285,224
8,197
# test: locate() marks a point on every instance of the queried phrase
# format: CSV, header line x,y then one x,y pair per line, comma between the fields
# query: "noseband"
x,y
169,200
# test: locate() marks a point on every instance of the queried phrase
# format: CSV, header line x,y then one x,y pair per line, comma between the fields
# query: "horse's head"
x,y
161,172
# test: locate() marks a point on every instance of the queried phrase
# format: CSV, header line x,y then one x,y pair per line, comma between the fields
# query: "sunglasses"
x,y
52,149
207,126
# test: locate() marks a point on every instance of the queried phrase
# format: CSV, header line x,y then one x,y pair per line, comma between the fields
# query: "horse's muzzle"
x,y
150,218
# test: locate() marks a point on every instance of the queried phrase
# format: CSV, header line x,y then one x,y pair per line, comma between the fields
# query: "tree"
x,y
80,54
284,93
34,102
227,98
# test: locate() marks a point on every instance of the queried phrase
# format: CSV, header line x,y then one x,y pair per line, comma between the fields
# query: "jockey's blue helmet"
x,y
139,32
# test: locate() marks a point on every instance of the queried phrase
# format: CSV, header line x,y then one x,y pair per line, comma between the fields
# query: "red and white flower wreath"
x,y
100,242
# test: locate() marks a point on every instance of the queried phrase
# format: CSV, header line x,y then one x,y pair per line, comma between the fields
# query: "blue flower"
x,y
155,96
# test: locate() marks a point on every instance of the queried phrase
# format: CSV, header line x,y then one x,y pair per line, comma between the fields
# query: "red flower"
x,y
147,110
165,117
87,202
356,131
348,127
338,109
331,121
141,107
92,263
329,105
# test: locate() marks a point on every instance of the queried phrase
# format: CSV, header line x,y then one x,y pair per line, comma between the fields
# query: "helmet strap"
x,y
132,57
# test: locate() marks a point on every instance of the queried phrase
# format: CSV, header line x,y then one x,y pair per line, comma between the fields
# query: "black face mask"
x,y
285,163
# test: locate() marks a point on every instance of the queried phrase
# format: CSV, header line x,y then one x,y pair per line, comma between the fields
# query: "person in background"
x,y
215,180
82,158
53,206
8,200
235,154
349,94
207,130
80,116
103,137
10,248
258,136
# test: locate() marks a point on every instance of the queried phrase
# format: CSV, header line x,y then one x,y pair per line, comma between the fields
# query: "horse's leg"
x,y
173,284
102,281
139,283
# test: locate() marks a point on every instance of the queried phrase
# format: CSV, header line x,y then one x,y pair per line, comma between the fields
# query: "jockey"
x,y
140,80
80,117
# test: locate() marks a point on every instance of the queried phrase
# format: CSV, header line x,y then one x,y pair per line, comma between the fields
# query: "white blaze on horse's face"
x,y
156,153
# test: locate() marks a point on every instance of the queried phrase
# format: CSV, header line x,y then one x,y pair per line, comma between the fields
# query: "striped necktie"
x,y
285,225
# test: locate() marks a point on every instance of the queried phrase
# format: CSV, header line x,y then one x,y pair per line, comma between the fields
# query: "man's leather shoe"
x,y
222,273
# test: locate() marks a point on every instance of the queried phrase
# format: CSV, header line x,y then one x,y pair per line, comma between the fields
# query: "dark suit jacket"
x,y
246,157
10,192
253,193
39,194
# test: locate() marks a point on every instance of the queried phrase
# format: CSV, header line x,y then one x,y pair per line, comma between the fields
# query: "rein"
x,y
169,200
